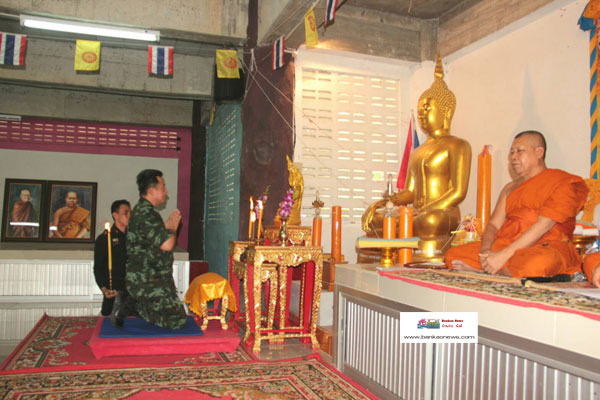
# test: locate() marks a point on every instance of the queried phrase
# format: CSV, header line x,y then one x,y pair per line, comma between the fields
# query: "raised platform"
x,y
213,340
325,305
530,338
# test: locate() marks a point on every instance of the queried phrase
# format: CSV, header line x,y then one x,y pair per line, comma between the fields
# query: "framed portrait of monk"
x,y
71,211
22,210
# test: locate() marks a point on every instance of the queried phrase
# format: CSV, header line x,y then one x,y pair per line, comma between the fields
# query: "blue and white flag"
x,y
160,60
12,49
278,49
330,11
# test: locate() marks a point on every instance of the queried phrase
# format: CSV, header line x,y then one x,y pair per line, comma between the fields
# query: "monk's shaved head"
x,y
536,138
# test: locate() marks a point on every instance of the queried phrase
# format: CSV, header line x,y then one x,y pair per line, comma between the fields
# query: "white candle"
x,y
107,227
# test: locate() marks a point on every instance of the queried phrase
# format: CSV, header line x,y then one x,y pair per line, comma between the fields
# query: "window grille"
x,y
38,132
348,138
223,149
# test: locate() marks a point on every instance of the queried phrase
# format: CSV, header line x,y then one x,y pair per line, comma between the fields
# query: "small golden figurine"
x,y
317,205
296,182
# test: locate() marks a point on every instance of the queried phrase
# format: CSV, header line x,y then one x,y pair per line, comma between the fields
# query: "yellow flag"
x,y
227,64
87,55
310,28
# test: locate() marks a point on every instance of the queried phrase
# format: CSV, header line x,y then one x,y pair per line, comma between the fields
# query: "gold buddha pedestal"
x,y
582,242
437,179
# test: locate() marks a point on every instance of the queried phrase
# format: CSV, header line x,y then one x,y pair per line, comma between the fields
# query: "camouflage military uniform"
x,y
150,270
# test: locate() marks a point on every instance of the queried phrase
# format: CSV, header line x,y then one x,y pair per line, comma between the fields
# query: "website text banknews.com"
x,y
442,337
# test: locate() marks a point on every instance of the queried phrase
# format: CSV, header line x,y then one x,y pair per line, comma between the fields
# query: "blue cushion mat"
x,y
137,327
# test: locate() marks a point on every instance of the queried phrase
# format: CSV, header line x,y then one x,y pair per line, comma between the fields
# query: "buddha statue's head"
x,y
436,105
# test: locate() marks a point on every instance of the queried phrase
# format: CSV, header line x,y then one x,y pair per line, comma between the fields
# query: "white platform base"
x,y
325,307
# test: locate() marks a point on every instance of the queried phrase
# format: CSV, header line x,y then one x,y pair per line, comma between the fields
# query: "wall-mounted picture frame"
x,y
71,211
22,211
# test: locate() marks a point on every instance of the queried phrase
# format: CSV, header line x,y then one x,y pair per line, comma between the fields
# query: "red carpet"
x,y
214,340
55,362
166,394
294,379
62,343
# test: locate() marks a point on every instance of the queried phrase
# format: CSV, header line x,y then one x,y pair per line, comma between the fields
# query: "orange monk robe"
x,y
23,211
591,261
552,193
72,220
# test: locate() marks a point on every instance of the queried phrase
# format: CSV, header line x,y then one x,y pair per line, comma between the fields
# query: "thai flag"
x,y
160,60
278,48
12,49
412,142
330,11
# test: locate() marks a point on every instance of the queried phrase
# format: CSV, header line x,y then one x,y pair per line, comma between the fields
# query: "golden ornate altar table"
x,y
274,264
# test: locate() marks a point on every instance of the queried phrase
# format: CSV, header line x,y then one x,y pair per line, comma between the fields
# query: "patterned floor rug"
x,y
307,378
507,290
62,343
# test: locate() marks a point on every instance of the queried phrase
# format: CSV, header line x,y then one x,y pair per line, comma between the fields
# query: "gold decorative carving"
x,y
271,263
297,235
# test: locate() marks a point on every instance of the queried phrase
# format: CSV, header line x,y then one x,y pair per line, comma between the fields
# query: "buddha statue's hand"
x,y
368,215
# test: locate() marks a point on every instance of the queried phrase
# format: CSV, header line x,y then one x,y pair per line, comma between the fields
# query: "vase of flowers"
x,y
285,207
283,232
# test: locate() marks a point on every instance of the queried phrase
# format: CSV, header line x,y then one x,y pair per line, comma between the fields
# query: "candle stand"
x,y
387,246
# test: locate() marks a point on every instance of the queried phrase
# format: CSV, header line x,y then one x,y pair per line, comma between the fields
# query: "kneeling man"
x,y
150,243
529,232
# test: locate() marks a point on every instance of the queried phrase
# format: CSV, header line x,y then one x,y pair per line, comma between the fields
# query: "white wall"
x,y
115,175
534,74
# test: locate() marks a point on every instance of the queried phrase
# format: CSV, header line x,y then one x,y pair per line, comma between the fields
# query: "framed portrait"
x,y
22,210
71,211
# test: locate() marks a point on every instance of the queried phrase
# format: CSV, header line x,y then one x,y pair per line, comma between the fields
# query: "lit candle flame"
x,y
251,203
260,205
252,216
107,226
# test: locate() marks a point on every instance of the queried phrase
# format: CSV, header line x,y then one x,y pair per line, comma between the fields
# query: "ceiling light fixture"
x,y
87,28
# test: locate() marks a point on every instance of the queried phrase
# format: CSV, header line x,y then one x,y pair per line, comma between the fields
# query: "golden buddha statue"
x,y
437,179
296,182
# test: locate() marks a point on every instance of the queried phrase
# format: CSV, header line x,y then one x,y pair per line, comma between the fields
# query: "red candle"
x,y
316,233
484,188
336,233
405,221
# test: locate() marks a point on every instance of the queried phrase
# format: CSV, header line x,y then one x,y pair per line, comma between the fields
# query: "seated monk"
x,y
71,221
591,268
23,211
437,178
529,232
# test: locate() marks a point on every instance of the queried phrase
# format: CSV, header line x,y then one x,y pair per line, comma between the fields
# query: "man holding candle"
x,y
149,270
112,280
529,232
